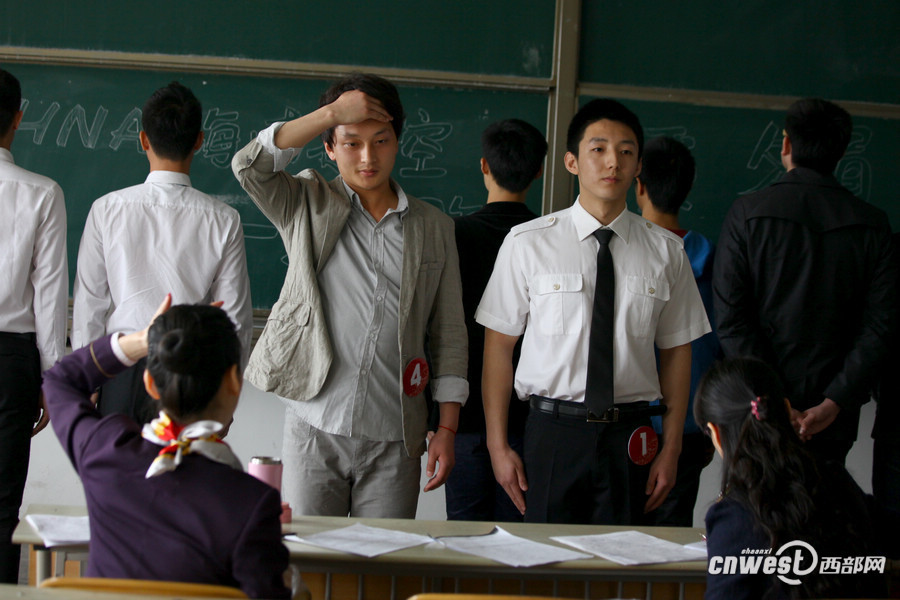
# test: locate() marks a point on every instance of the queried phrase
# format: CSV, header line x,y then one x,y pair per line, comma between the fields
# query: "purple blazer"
x,y
203,522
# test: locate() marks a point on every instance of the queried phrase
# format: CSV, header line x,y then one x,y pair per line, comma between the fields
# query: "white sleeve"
x,y
92,299
232,286
282,156
683,319
50,279
505,303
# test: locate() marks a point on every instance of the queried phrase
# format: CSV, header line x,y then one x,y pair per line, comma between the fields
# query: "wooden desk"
x,y
24,592
438,563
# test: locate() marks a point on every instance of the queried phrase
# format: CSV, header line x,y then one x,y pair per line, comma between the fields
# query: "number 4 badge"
x,y
415,377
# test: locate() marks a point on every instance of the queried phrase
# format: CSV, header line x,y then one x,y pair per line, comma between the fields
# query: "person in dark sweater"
x,y
169,501
513,154
778,500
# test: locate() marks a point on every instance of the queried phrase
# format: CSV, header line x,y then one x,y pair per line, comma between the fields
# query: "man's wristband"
x,y
447,428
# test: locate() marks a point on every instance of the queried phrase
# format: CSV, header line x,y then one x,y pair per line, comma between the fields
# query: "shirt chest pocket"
x,y
646,298
557,303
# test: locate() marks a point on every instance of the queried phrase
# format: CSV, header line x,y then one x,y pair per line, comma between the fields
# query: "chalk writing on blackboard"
x,y
222,137
853,171
421,142
78,117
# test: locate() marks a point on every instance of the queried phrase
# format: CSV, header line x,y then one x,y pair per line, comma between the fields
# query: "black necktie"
x,y
599,386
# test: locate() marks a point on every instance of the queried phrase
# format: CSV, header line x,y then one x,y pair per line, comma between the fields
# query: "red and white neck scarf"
x,y
178,441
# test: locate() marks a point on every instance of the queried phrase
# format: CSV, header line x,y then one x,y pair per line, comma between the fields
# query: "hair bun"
x,y
175,354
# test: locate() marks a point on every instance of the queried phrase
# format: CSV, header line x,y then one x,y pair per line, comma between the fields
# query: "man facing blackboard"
x,y
33,294
804,279
373,272
161,236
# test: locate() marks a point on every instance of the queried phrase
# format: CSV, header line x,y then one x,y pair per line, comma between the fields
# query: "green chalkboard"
x,y
738,151
470,36
81,128
840,49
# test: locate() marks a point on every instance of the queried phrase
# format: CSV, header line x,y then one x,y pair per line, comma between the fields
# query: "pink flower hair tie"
x,y
754,407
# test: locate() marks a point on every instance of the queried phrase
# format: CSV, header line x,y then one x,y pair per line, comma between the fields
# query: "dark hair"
x,y
767,469
819,131
667,171
172,118
372,85
514,151
10,100
599,109
191,347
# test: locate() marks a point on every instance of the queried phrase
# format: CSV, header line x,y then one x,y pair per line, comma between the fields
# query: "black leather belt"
x,y
577,410
23,337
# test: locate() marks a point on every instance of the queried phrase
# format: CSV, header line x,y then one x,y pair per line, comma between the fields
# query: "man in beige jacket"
x,y
373,274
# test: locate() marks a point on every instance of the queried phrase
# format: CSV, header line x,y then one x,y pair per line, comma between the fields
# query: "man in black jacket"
x,y
804,279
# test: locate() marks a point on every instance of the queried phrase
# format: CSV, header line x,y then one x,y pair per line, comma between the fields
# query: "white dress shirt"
x,y
145,241
34,285
544,278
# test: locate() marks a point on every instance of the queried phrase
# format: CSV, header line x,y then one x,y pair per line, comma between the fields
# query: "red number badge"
x,y
415,377
643,445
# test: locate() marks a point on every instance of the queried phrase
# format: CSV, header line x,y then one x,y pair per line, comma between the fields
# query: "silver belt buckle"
x,y
610,416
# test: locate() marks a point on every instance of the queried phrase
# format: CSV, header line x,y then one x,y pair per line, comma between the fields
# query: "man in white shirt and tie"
x,y
590,454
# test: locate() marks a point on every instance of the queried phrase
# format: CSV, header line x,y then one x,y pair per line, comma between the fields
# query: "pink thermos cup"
x,y
267,469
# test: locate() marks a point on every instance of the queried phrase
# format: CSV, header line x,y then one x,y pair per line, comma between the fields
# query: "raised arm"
x,y
351,107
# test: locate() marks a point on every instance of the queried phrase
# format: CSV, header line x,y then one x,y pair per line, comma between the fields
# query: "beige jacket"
x,y
294,353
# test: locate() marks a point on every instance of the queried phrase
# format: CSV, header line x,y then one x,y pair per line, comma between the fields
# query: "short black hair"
x,y
190,348
172,118
819,132
514,151
667,172
10,100
597,110
372,85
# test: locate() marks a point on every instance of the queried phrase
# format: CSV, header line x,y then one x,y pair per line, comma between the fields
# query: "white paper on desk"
x,y
502,546
632,548
363,540
60,530
701,546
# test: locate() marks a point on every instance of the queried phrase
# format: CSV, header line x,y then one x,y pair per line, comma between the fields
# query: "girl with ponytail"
x,y
774,491
169,500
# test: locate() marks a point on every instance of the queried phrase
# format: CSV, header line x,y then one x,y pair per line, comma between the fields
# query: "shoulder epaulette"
x,y
535,224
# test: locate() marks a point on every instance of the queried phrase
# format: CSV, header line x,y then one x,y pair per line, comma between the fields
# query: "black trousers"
x,y
20,388
579,472
125,394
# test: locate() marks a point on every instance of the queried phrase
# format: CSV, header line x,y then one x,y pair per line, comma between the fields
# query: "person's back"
x,y
156,237
667,175
33,294
512,157
161,236
186,512
778,500
804,280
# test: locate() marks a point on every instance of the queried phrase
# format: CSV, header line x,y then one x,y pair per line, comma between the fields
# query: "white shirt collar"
x,y
586,224
171,177
6,156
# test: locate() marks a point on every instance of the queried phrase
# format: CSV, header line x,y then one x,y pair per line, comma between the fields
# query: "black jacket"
x,y
804,279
